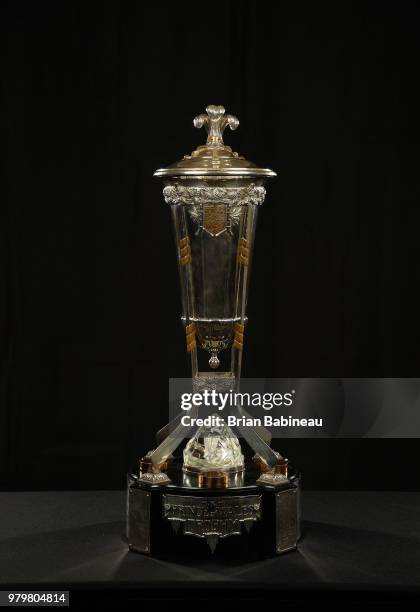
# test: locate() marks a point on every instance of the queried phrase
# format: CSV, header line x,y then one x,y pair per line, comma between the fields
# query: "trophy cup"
x,y
213,495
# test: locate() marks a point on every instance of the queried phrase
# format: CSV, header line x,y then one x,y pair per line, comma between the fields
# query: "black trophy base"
x,y
179,519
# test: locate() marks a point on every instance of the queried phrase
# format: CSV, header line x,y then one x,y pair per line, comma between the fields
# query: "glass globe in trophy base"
x,y
213,496
187,518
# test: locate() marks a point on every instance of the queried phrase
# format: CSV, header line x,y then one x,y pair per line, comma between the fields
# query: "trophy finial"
x,y
215,123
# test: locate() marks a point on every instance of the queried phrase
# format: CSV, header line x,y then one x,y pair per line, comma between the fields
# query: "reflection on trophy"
x,y
195,501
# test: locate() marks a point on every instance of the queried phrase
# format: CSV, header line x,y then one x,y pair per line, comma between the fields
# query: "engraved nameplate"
x,y
212,517
287,520
138,520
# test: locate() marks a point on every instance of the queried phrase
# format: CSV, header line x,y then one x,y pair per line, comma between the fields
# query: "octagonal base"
x,y
176,519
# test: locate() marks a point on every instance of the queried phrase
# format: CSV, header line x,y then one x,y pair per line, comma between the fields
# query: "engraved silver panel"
x,y
287,523
299,511
138,520
212,517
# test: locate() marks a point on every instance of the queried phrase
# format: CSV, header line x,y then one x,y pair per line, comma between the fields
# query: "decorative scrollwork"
x,y
237,196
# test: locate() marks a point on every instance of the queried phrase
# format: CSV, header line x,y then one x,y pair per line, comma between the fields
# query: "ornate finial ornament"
x,y
215,123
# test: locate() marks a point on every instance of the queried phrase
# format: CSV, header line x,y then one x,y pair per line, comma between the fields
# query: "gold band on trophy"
x,y
238,337
243,252
190,331
184,251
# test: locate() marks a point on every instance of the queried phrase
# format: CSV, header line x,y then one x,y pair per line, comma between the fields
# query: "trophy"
x,y
213,496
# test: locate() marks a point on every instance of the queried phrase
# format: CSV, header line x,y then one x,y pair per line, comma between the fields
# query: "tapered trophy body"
x,y
214,196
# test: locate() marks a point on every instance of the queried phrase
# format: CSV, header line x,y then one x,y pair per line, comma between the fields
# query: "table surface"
x,y
363,540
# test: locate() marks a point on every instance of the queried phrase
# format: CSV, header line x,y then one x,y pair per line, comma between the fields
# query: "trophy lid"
x,y
214,158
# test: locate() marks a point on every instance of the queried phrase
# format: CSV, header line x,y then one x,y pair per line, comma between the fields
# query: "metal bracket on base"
x,y
154,478
272,478
276,476
151,474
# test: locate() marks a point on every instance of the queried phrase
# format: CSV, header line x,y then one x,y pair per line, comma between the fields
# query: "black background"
x,y
100,95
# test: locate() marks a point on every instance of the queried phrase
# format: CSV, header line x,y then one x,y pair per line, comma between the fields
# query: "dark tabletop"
x,y
351,539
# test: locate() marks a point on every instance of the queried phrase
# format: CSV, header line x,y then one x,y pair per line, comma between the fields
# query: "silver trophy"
x,y
213,490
